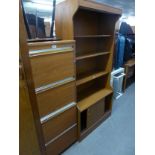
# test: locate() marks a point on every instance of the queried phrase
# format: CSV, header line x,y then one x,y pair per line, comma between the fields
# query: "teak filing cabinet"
x,y
72,76
53,72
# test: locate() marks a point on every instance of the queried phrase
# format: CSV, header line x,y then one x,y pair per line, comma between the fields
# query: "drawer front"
x,y
58,124
53,99
50,68
64,141
95,112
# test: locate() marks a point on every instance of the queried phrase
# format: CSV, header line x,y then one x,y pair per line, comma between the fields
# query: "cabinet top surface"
x,y
99,6
51,43
92,4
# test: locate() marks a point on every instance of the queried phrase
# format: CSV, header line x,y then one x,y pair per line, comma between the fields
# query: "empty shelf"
x,y
93,36
89,76
91,55
93,98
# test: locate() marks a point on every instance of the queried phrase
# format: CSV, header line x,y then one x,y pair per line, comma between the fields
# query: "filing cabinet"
x,y
53,73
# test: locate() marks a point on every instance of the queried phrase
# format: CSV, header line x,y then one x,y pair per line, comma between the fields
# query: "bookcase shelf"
x,y
92,65
93,36
89,76
85,56
92,99
87,89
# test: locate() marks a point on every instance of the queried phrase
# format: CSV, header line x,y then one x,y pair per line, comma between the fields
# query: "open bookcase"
x,y
92,26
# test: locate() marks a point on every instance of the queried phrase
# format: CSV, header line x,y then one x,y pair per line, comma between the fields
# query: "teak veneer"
x,y
68,81
92,26
95,97
89,76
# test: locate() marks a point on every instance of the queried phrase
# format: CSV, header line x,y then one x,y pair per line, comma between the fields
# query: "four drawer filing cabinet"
x,y
53,73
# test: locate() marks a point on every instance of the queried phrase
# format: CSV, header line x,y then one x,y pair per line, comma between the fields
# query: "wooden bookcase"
x,y
92,26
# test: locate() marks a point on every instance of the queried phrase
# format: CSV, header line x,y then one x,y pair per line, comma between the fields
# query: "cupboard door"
x,y
58,124
95,112
53,99
50,68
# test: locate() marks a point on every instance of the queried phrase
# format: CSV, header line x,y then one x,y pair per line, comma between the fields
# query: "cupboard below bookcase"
x,y
92,26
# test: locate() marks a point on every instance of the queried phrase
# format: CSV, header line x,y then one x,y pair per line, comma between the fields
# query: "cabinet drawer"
x,y
53,99
50,68
62,142
95,112
58,124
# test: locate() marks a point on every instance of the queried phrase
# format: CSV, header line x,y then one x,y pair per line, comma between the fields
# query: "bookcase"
x,y
92,26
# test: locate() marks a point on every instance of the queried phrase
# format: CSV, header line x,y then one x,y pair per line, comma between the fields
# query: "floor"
x,y
116,135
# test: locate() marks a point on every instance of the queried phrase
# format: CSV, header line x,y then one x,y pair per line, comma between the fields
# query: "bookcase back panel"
x,y
107,23
85,46
92,45
91,87
104,44
91,65
90,22
85,23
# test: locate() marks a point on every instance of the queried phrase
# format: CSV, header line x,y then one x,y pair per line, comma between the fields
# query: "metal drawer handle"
x,y
34,53
53,85
57,112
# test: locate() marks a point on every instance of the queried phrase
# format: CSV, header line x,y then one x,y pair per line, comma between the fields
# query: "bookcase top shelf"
x,y
92,99
65,29
92,4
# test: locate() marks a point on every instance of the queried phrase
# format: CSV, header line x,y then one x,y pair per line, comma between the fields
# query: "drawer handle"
x,y
53,85
34,53
57,112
